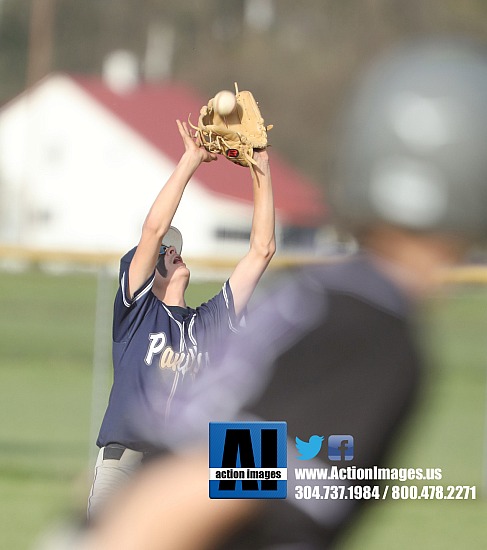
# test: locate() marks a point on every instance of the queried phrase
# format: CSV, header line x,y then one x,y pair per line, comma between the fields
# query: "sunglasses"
x,y
163,249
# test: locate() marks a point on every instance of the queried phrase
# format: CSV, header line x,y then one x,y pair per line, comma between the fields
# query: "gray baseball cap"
x,y
173,238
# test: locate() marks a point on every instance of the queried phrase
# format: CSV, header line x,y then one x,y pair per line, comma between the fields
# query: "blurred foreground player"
x,y
159,344
332,349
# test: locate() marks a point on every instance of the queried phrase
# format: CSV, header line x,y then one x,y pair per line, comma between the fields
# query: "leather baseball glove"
x,y
236,135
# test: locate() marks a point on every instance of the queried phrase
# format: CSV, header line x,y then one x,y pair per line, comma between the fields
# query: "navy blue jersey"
x,y
157,352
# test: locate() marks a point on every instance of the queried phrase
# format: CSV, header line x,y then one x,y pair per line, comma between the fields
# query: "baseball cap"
x,y
173,238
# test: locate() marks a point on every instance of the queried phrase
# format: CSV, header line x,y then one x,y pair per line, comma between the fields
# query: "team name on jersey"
x,y
184,361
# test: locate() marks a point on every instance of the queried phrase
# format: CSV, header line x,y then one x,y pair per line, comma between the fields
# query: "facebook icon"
x,y
340,447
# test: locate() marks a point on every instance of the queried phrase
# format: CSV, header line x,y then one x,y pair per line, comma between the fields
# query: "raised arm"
x,y
251,267
163,209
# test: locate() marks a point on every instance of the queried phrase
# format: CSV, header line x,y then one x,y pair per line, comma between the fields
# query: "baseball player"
x,y
412,188
159,343
333,348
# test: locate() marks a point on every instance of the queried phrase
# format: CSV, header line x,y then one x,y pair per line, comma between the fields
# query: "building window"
x,y
299,237
232,234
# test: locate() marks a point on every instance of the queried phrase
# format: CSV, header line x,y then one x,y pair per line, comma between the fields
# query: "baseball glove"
x,y
235,135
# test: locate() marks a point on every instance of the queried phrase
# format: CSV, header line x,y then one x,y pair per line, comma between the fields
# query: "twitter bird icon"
x,y
309,449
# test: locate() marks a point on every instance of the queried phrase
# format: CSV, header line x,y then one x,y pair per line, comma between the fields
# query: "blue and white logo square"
x,y
248,460
340,447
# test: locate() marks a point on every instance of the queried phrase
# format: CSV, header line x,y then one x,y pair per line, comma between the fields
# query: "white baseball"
x,y
224,102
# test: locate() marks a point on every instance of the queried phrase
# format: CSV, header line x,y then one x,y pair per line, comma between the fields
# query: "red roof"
x,y
152,110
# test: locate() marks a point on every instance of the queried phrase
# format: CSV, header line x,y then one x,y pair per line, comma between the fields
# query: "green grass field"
x,y
46,355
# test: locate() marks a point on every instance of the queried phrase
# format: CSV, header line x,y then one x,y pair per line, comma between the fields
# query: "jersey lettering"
x,y
157,343
183,362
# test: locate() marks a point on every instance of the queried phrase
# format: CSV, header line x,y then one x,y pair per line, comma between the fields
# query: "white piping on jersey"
x,y
171,395
176,377
225,296
144,291
180,325
190,330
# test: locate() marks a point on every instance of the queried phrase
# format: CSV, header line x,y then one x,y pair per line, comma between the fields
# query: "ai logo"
x,y
248,460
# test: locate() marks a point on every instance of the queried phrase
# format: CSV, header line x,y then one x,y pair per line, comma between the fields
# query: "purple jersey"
x,y
157,352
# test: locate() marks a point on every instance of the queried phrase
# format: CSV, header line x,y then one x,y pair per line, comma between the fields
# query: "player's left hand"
x,y
193,145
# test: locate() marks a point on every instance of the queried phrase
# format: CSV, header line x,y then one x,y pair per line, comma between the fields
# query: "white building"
x,y
80,165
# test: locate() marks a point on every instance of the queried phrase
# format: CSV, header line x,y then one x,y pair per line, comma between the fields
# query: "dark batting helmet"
x,y
414,149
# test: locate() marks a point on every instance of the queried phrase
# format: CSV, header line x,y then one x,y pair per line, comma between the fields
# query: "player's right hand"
x,y
193,145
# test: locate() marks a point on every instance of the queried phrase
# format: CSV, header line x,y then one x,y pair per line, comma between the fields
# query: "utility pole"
x,y
41,40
